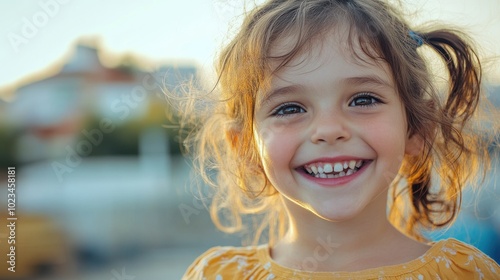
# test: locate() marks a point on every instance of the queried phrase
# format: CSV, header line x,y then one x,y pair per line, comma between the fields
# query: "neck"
x,y
357,232
313,243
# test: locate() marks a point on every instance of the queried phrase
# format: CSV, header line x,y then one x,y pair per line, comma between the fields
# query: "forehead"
x,y
341,39
340,45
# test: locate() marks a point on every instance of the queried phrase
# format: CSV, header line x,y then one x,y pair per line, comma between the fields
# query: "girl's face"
x,y
331,131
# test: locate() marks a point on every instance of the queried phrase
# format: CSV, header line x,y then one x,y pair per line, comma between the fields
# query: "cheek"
x,y
391,140
388,139
276,146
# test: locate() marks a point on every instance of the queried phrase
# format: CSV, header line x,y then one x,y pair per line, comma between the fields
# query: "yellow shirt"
x,y
446,259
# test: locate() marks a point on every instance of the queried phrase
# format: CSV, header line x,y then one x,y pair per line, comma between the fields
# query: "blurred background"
x,y
103,191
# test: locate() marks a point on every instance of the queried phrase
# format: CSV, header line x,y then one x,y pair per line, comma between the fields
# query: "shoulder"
x,y
454,258
218,262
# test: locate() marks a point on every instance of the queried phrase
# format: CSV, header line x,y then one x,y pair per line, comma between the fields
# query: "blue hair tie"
x,y
418,40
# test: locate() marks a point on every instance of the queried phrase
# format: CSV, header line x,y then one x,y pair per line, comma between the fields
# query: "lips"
x,y
334,169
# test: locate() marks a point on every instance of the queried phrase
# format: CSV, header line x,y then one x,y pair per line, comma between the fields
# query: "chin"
x,y
335,214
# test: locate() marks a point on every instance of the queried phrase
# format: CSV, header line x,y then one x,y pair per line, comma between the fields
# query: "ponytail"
x,y
464,70
457,153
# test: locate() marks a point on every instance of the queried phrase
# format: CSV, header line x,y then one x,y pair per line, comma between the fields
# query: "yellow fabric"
x,y
446,259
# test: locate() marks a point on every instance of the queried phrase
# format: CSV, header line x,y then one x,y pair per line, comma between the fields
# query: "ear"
x,y
414,145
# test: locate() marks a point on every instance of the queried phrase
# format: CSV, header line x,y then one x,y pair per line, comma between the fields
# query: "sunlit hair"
x,y
454,152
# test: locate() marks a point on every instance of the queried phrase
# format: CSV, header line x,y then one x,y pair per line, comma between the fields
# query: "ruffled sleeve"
x,y
457,260
222,263
197,268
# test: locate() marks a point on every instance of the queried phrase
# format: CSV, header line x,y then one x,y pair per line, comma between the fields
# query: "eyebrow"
x,y
356,81
363,80
279,91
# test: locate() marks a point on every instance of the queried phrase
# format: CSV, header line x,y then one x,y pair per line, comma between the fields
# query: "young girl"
x,y
329,129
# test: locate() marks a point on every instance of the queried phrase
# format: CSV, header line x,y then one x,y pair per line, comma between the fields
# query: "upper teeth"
x,y
325,168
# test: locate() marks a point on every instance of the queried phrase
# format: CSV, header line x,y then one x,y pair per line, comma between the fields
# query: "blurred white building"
x,y
107,205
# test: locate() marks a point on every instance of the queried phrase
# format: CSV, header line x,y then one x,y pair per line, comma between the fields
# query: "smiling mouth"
x,y
333,169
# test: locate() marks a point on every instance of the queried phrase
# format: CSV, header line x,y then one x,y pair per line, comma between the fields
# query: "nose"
x,y
329,128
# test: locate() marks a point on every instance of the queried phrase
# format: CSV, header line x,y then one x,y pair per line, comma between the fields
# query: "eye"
x,y
363,100
287,109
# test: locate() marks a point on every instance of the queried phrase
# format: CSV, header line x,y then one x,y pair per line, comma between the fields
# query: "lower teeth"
x,y
341,174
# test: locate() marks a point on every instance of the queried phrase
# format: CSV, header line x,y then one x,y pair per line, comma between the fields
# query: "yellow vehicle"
x,y
32,246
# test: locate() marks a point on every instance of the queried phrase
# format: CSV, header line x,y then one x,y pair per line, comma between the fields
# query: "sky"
x,y
36,33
